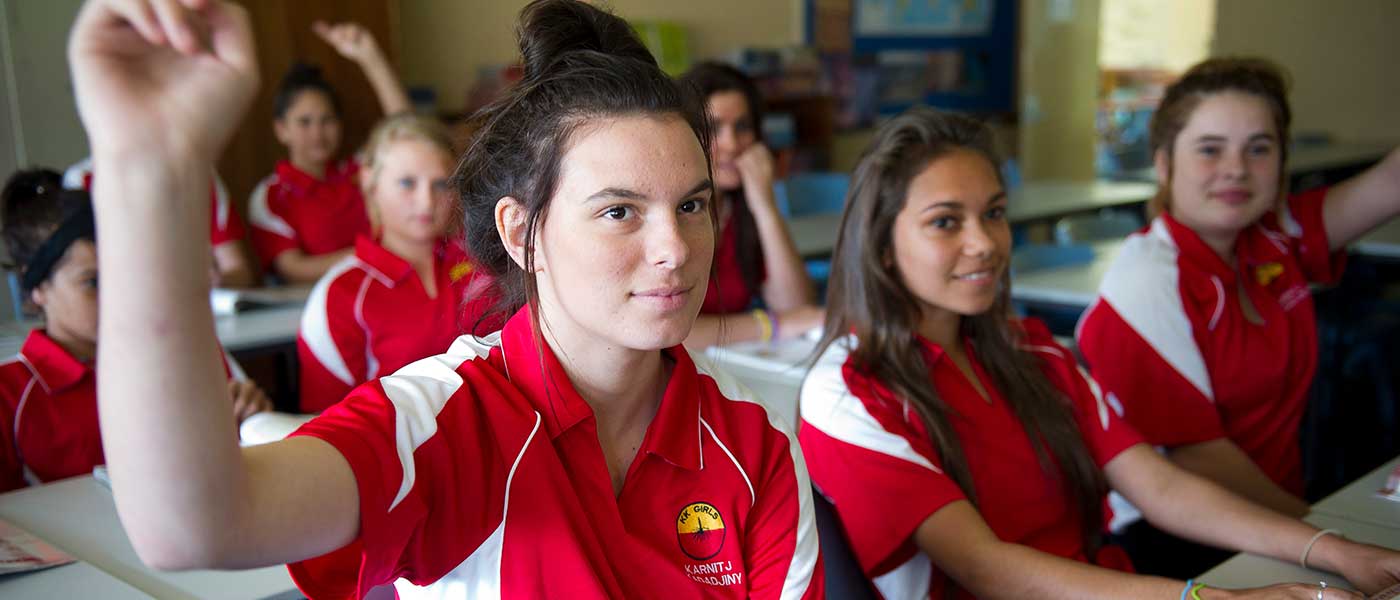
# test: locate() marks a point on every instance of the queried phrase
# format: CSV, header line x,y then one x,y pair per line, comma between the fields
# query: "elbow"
x,y
172,547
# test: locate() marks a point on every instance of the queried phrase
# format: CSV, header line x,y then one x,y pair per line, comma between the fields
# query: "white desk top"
x,y
73,580
1075,285
1247,570
78,516
1358,501
1384,242
774,372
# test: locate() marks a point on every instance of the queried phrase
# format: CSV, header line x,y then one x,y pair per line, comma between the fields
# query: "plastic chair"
x,y
844,579
812,194
16,295
1104,225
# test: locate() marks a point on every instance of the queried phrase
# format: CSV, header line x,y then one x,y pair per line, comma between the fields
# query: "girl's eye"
x,y
944,222
1261,150
406,183
1208,150
692,206
440,186
996,213
618,213
90,283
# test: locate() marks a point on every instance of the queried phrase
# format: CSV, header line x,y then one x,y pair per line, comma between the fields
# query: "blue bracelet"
x,y
1186,590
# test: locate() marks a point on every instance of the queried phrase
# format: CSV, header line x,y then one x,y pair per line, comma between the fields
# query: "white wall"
x,y
44,118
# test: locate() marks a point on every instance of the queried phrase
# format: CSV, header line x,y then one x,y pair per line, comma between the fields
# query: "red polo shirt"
x,y
727,292
480,474
370,315
224,223
870,453
292,209
1167,336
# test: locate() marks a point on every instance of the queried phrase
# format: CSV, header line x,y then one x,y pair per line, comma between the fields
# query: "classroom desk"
x,y
78,516
1073,286
1358,501
73,580
1247,570
772,371
815,235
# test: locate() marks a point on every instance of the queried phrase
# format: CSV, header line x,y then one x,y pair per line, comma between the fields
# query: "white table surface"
x,y
815,235
1074,285
772,371
1384,242
1359,501
1247,570
78,516
73,580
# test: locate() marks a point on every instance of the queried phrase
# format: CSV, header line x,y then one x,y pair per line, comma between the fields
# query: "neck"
x,y
942,327
1221,242
623,386
310,167
78,348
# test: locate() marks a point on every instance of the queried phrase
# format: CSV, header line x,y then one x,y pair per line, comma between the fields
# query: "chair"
x,y
844,579
813,194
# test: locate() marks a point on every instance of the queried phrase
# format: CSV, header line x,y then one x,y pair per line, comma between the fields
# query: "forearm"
x,y
170,445
387,87
1223,463
787,286
297,267
717,330
1015,572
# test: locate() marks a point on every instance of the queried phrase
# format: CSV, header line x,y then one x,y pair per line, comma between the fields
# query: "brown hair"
x,y
1255,76
33,205
581,64
397,128
707,79
867,296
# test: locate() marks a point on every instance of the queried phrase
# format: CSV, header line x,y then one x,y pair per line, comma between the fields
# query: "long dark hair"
x,y
1258,77
707,79
867,296
581,64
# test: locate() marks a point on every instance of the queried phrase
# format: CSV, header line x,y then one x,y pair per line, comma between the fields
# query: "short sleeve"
x,y
224,223
272,234
331,342
430,466
862,454
1304,225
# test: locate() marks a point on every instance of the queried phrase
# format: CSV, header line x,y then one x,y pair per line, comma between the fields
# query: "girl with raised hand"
x,y
966,453
755,257
410,289
306,215
1204,327
580,452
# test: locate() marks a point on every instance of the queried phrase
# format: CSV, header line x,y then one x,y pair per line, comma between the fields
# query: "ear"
x,y
512,225
1163,165
280,131
37,296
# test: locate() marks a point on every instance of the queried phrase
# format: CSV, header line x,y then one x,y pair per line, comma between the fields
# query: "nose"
x,y
667,246
1233,165
978,240
725,141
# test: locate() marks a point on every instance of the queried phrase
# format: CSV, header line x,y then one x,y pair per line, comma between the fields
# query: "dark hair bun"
x,y
550,30
302,74
28,185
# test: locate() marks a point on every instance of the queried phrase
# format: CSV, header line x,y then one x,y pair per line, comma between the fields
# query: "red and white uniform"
x,y
224,223
370,315
870,454
1168,338
291,209
727,292
480,475
48,414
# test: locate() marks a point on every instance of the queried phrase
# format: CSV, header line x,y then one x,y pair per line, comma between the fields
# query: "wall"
x,y
46,129
1342,54
1136,34
445,42
1059,88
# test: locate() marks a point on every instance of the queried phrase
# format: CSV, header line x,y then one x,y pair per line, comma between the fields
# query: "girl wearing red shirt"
x,y
965,452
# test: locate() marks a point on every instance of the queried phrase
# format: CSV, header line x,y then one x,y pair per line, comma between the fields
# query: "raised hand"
x,y
351,40
164,78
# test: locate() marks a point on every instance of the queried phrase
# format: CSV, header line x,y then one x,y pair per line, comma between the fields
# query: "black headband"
x,y
78,226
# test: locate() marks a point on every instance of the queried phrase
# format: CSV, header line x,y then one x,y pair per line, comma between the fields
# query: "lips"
x,y
665,298
1234,196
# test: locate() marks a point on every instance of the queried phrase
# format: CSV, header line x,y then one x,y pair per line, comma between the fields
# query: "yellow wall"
x,y
1059,88
1342,54
445,41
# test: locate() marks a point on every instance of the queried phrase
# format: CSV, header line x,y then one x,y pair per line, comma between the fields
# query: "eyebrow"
x,y
610,193
955,205
1221,138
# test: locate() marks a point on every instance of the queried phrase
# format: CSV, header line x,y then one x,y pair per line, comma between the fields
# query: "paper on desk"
x,y
1391,491
265,427
227,301
20,551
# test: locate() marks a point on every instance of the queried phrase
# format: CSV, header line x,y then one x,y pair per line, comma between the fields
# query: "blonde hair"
x,y
391,130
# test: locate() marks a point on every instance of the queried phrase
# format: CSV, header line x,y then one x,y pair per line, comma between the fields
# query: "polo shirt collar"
x,y
1195,251
56,369
335,171
675,431
381,259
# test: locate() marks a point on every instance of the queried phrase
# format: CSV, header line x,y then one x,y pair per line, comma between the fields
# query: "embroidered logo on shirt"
x,y
1267,273
460,270
700,530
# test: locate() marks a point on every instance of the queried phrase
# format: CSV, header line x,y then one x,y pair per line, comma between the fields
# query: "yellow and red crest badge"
x,y
1267,272
460,270
700,530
